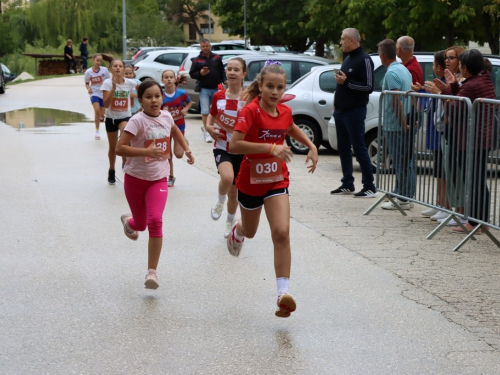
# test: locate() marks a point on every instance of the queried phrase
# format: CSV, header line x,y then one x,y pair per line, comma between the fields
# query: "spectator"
x,y
354,85
404,47
476,84
84,52
396,130
69,58
207,68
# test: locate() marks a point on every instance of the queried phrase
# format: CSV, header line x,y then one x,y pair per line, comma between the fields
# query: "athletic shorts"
x,y
249,202
96,99
112,125
222,156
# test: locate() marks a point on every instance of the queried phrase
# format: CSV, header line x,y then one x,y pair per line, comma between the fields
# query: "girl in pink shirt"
x,y
145,142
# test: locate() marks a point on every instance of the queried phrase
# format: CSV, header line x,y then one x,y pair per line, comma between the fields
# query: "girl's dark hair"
x,y
473,60
487,65
242,62
439,59
182,79
146,84
253,91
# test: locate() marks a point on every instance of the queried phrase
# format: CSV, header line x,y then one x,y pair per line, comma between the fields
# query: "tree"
x,y
186,11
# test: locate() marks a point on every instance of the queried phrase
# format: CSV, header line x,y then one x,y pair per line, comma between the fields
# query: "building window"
x,y
204,28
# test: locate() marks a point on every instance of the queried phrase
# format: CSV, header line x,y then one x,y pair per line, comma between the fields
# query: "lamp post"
x,y
209,25
124,30
245,22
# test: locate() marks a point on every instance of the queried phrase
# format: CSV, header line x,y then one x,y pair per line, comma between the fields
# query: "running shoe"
x,y
366,193
151,280
97,136
229,226
286,306
233,245
111,177
171,181
217,209
342,190
132,234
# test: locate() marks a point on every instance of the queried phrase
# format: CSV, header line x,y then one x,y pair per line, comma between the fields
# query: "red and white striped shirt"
x,y
225,111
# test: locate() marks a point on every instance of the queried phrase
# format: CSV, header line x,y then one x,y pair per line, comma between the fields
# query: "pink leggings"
x,y
147,201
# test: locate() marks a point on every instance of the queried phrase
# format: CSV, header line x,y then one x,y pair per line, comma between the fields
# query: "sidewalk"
x,y
73,300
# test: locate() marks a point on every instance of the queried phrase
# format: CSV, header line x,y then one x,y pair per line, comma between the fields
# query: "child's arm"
x,y
297,134
186,109
180,140
123,148
211,127
87,86
238,145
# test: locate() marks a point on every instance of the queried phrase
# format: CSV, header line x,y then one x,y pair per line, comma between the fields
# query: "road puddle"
x,y
41,117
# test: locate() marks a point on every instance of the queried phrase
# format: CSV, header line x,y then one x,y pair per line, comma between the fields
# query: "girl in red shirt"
x,y
263,178
226,105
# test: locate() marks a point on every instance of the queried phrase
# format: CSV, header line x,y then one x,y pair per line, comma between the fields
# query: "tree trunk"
x,y
492,33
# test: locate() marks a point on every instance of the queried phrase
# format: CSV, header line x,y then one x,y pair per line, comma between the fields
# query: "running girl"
x,y
220,125
146,171
177,102
116,93
263,178
94,78
135,106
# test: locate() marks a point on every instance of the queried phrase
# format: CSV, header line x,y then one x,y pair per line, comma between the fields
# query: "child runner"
x,y
263,178
220,125
135,106
177,102
146,171
116,93
94,77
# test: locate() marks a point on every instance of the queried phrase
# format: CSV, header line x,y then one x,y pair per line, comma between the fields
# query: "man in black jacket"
x,y
207,68
354,85
84,52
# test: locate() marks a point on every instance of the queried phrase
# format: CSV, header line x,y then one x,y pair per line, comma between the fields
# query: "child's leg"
x,y
103,112
97,114
278,214
112,141
232,201
226,177
249,223
135,192
156,199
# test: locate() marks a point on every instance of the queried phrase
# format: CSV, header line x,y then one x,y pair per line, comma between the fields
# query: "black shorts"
x,y
438,170
249,202
112,125
222,156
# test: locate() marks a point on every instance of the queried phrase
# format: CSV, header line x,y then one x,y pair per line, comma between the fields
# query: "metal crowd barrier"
x,y
441,152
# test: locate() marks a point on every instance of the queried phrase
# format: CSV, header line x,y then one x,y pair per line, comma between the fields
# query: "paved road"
x,y
374,297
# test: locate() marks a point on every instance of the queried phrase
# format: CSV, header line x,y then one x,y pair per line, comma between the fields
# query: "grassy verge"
x,y
40,78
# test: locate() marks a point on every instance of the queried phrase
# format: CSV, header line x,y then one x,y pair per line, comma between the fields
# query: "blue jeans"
x,y
206,96
401,148
350,126
84,62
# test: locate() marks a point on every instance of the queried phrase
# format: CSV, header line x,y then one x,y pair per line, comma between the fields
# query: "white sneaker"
x,y
229,226
452,222
206,135
151,280
430,212
217,209
233,245
401,204
439,215
286,306
97,136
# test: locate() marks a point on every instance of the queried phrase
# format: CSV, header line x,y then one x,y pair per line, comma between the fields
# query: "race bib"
x,y
119,105
163,143
176,112
265,171
225,121
96,80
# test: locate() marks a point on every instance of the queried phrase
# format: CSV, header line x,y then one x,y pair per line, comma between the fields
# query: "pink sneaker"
x,y
286,306
151,280
233,245
132,234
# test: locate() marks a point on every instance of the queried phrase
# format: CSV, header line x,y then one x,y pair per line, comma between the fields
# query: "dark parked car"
x,y
7,74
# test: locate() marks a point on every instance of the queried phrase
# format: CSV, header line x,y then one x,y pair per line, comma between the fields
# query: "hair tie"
x,y
272,62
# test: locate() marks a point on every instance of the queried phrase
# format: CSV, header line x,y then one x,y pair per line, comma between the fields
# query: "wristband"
x,y
272,149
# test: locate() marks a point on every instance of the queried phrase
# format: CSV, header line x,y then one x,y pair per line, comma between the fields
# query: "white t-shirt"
x,y
96,79
145,128
120,103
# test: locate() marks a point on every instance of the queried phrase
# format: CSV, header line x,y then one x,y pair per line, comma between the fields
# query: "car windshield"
x,y
5,69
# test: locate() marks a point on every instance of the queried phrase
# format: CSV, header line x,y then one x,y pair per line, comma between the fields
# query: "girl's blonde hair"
x,y
96,55
253,91
182,79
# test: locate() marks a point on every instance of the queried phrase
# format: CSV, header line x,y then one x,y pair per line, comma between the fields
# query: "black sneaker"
x,y
111,177
366,193
342,190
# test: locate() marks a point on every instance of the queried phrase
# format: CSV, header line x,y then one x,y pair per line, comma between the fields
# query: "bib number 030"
x,y
266,171
266,168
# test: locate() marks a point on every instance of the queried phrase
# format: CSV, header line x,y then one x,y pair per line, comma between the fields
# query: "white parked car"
x,y
156,62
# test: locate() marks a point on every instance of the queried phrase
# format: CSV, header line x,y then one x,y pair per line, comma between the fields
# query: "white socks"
x,y
222,198
283,285
230,217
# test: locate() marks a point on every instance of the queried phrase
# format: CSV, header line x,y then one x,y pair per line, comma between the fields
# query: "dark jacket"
x,y
480,86
354,93
68,51
216,75
84,51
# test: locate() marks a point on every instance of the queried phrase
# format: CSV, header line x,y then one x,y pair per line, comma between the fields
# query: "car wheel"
x,y
2,84
312,132
372,144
